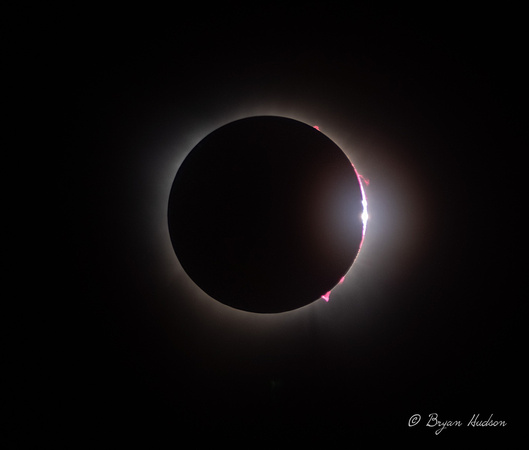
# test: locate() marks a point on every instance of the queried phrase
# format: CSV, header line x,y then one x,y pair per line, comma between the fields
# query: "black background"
x,y
427,101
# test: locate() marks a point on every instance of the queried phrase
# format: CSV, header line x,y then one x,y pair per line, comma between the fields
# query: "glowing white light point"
x,y
364,215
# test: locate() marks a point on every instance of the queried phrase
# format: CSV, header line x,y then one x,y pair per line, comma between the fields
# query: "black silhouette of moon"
x,y
265,214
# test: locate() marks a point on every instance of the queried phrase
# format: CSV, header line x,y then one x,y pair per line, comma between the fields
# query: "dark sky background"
x,y
425,104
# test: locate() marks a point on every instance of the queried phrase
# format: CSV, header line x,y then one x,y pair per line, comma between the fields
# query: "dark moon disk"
x,y
265,214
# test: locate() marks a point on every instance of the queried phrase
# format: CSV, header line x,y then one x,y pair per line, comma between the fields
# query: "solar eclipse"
x,y
266,214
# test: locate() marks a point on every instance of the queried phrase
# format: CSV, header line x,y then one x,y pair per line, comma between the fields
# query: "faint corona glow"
x,y
167,173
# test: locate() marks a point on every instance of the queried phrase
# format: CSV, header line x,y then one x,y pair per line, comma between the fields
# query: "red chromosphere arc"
x,y
361,178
